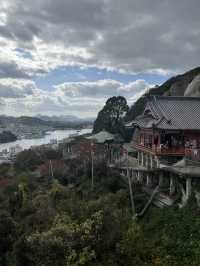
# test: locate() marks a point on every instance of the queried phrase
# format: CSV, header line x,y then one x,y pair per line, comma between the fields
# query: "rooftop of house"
x,y
167,112
102,137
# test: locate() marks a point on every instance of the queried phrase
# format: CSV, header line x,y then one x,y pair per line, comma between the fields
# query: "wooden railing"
x,y
179,151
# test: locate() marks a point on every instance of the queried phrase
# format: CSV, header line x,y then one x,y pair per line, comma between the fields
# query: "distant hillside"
x,y
26,121
65,119
55,122
31,121
175,86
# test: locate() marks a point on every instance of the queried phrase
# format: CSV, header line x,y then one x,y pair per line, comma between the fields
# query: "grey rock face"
x,y
193,89
179,87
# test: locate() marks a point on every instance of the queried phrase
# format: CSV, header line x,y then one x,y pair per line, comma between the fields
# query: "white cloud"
x,y
78,98
100,88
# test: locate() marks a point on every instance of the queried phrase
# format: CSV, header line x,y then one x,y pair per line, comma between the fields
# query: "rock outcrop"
x,y
193,89
187,84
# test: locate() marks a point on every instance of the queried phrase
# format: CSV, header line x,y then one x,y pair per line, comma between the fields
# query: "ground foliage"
x,y
46,224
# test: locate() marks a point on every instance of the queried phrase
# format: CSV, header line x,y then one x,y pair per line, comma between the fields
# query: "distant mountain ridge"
x,y
41,120
23,120
175,86
65,118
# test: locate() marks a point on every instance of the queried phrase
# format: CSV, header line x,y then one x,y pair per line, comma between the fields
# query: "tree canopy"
x,y
110,117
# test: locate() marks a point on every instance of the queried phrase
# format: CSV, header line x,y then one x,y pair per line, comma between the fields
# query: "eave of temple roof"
x,y
173,113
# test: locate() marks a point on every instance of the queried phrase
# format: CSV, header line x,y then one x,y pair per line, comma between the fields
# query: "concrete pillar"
x,y
148,182
130,173
140,177
160,182
136,176
172,187
188,187
127,172
156,162
151,161
147,161
139,158
142,158
133,174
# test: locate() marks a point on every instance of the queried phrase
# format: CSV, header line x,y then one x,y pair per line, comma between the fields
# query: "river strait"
x,y
57,134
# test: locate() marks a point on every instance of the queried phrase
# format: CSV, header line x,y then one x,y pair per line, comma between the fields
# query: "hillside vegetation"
x,y
63,222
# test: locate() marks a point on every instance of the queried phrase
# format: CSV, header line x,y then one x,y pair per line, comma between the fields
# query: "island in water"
x,y
7,136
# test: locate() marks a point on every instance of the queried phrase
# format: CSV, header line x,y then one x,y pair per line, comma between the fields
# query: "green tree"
x,y
8,235
110,117
66,243
28,159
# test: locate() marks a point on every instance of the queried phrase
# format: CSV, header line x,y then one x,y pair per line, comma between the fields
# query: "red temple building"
x,y
166,139
168,129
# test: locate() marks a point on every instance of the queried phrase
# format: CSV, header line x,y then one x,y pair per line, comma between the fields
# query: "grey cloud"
x,y
138,36
15,89
66,21
11,70
101,89
17,70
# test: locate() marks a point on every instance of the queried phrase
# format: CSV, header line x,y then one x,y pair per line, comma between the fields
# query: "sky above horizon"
x,y
67,57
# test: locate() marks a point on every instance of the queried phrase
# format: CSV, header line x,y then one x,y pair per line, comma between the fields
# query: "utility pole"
x,y
130,188
92,165
131,194
51,170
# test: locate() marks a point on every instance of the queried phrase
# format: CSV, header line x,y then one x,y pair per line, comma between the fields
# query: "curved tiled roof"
x,y
102,136
145,121
182,112
175,113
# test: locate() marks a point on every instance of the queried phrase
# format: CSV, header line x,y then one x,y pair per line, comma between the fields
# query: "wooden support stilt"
x,y
131,194
149,202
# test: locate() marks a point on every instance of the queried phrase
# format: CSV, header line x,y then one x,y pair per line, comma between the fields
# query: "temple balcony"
x,y
160,151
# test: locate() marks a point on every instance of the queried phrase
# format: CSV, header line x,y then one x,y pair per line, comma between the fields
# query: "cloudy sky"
x,y
69,56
